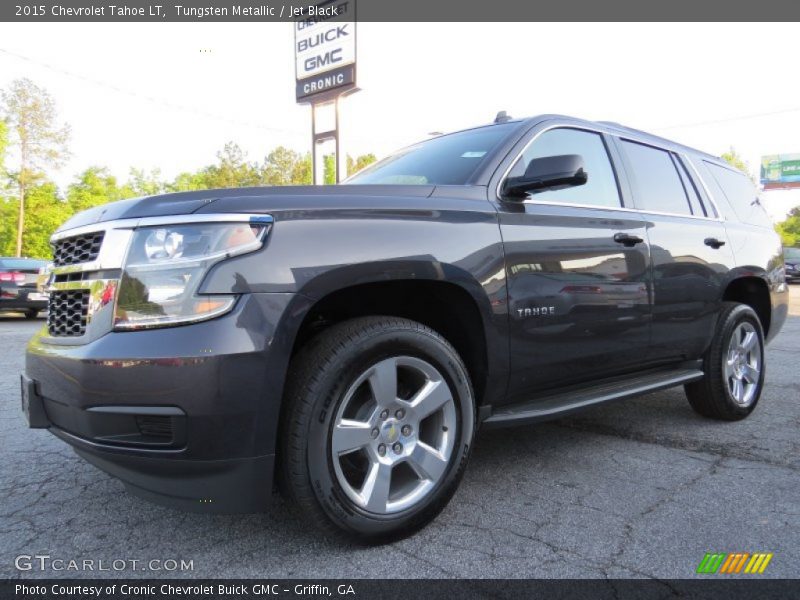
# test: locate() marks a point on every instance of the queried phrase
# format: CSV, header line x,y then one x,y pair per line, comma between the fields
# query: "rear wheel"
x,y
734,367
31,313
377,429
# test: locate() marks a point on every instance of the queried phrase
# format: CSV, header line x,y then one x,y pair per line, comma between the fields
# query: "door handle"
x,y
627,239
714,243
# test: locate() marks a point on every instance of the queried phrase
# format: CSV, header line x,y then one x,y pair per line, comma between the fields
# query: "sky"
x,y
170,95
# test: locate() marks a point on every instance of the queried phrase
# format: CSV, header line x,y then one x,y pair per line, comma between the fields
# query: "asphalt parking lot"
x,y
642,488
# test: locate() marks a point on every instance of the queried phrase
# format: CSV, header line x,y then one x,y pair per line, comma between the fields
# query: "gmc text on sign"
x,y
323,48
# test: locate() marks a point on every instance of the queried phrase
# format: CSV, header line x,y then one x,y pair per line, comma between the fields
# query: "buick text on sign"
x,y
325,48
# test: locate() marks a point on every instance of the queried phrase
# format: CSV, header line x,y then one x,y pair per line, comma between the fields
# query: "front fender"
x,y
315,252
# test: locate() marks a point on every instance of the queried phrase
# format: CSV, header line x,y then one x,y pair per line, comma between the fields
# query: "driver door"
x,y
577,271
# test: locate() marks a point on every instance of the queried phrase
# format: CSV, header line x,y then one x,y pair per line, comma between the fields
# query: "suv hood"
x,y
255,199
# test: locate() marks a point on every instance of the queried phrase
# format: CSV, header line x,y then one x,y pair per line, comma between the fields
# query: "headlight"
x,y
165,266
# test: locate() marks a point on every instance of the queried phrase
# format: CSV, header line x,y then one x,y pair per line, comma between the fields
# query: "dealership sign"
x,y
325,50
780,170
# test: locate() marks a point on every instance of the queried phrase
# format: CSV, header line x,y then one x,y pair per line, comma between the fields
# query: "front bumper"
x,y
185,416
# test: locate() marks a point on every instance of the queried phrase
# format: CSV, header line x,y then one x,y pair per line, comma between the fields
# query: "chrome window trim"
x,y
582,127
709,195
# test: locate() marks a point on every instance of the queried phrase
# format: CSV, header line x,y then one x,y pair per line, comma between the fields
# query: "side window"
x,y
741,194
657,185
601,187
696,204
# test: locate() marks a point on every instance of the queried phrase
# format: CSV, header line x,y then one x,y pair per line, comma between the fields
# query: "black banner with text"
x,y
123,589
391,10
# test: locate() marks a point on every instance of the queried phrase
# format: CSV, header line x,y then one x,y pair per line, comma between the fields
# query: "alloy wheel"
x,y
393,435
743,363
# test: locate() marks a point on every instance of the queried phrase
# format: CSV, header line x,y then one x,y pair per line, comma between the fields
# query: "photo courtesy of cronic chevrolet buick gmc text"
x,y
347,342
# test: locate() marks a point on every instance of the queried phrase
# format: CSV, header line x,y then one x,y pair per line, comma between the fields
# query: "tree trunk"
x,y
21,219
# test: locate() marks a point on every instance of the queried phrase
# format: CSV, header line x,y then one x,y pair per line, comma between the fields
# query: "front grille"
x,y
77,249
67,313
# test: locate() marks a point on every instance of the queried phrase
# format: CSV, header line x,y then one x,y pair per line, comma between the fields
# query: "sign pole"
x,y
314,144
338,158
325,71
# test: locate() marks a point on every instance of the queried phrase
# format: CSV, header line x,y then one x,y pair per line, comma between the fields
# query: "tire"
x,y
31,313
340,393
731,388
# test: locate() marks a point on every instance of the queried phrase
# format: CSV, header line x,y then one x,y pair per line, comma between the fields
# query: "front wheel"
x,y
378,427
734,367
31,313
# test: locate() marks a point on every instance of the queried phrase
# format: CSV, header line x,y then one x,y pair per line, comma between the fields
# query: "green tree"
x,y
44,212
354,165
40,143
735,160
283,166
186,182
141,183
301,172
329,169
8,230
93,187
4,180
3,149
232,171
789,229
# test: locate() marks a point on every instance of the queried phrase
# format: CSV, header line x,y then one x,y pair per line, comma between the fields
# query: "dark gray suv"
x,y
347,342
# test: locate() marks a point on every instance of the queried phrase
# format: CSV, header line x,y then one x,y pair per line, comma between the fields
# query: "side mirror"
x,y
547,173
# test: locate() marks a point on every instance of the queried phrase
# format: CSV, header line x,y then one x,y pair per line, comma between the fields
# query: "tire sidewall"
x,y
338,378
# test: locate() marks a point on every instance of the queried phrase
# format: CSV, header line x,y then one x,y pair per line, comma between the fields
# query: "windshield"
x,y
793,253
446,160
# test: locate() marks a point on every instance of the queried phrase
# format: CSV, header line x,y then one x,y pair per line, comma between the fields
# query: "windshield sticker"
x,y
476,154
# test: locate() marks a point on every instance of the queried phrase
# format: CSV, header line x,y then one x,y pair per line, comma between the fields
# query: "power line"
x,y
171,105
729,119
153,100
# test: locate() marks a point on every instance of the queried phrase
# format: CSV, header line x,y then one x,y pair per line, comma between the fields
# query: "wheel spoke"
x,y
750,374
350,435
383,381
375,491
737,389
427,462
749,342
432,396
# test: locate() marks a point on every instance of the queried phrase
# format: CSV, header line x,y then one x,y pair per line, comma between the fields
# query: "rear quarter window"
x,y
741,194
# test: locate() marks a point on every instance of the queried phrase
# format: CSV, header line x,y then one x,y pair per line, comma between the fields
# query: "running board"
x,y
557,405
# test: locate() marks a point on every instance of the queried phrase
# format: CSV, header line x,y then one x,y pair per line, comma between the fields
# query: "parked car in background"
x,y
791,257
18,286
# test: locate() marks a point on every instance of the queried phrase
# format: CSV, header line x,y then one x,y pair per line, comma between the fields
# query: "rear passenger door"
x,y
689,249
576,266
